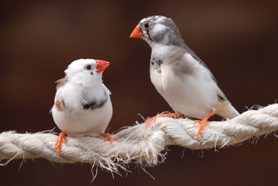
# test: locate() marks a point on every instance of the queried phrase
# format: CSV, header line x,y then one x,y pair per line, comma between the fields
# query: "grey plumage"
x,y
181,77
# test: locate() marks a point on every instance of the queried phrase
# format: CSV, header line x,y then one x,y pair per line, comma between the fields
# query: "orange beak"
x,y
136,33
101,65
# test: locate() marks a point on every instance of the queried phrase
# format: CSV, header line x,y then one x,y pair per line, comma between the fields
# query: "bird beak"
x,y
101,65
136,33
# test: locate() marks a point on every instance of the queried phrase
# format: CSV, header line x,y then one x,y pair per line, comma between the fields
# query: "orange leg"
x,y
149,121
58,145
202,123
107,137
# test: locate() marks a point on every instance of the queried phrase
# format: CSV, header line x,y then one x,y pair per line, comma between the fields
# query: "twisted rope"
x,y
138,144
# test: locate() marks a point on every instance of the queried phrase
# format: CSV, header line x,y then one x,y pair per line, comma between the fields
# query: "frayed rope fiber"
x,y
138,144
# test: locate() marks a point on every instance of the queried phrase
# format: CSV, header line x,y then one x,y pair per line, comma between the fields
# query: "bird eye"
x,y
88,67
146,25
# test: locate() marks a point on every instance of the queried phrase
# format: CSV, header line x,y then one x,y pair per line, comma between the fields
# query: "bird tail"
x,y
226,110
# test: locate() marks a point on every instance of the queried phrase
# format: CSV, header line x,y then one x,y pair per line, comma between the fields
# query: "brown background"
x,y
237,40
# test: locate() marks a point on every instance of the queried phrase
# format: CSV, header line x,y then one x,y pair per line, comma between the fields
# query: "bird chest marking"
x,y
93,104
156,63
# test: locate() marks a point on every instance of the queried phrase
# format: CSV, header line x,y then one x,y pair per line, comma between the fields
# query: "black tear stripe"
x,y
148,34
94,104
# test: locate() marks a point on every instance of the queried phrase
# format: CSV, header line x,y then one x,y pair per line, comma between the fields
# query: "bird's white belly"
x,y
192,96
156,80
85,122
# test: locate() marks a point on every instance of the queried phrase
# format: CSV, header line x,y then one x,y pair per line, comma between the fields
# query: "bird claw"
x,y
202,123
58,145
108,137
149,121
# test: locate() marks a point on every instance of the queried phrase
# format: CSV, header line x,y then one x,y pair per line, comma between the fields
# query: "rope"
x,y
138,144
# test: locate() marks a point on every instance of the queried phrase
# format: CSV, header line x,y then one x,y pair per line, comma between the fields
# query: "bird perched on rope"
x,y
82,104
179,75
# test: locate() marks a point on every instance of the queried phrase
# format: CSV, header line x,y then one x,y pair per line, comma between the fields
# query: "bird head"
x,y
86,71
158,30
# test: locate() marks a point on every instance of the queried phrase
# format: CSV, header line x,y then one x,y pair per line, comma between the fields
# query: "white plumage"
x,y
74,120
82,104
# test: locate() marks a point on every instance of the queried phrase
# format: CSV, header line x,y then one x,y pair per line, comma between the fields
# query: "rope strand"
x,y
139,144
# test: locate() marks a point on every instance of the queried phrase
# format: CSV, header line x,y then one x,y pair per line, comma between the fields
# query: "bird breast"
x,y
192,95
75,119
84,122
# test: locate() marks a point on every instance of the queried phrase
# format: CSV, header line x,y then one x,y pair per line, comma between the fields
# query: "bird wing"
x,y
59,102
68,97
106,89
220,94
61,82
223,108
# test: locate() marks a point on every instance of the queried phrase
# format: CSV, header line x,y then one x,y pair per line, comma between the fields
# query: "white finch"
x,y
82,104
179,75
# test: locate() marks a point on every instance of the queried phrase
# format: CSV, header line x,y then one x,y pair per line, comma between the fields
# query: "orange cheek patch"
x,y
59,104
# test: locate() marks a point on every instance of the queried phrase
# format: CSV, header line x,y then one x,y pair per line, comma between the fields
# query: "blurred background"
x,y
236,39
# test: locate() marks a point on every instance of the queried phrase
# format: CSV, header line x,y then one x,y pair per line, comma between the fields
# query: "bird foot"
x,y
58,145
108,137
149,121
202,123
